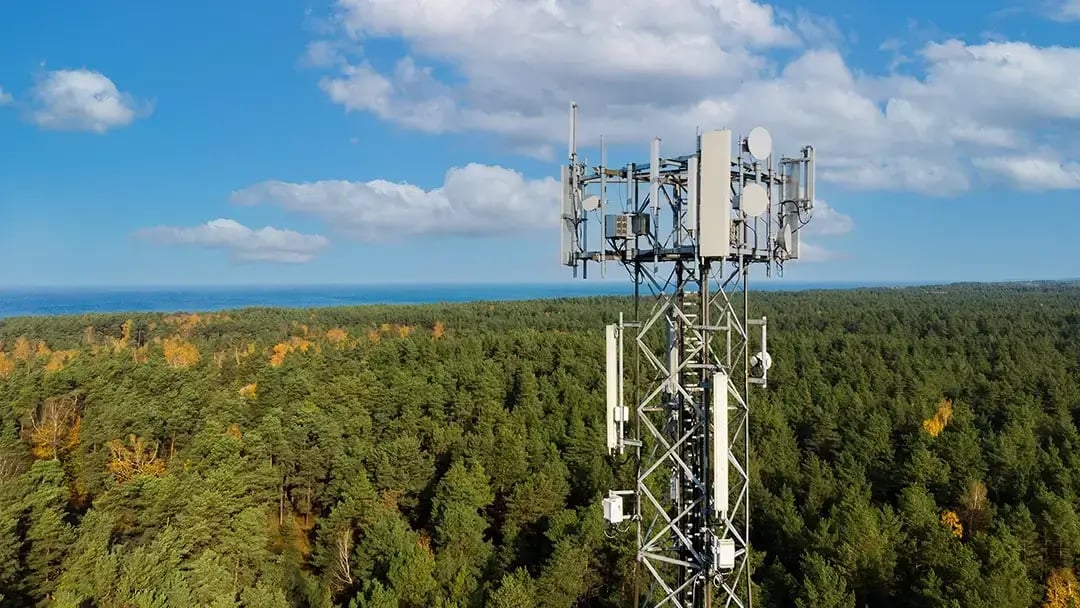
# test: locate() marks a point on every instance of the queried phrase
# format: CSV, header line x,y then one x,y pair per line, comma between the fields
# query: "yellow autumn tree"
x,y
179,353
137,457
185,324
248,391
42,350
7,365
24,350
280,351
951,520
438,331
58,359
53,427
1062,590
940,419
337,335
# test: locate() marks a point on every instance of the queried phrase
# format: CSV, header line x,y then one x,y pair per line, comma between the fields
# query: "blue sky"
x,y
371,141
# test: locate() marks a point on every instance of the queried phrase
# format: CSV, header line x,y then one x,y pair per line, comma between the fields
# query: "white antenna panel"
x,y
591,203
714,195
612,388
754,200
720,443
759,143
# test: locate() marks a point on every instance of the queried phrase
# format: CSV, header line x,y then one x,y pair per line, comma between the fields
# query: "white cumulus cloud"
x,y
510,67
5,98
827,221
1034,172
473,200
82,100
242,243
1066,10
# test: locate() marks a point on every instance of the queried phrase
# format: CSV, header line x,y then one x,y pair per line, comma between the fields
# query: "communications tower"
x,y
688,230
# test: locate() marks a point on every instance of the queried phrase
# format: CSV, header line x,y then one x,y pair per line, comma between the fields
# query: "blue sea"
x,y
68,301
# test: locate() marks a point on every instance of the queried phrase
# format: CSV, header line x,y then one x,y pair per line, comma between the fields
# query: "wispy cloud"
x,y
473,200
242,243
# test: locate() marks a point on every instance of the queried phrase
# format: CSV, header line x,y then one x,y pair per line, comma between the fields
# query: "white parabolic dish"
x,y
591,203
754,200
760,143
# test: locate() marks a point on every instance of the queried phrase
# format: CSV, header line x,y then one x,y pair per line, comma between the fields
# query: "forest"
x,y
916,447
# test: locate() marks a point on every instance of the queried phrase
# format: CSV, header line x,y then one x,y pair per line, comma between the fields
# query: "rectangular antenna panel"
x,y
714,195
691,218
568,227
612,388
654,174
791,233
673,359
725,553
720,443
613,512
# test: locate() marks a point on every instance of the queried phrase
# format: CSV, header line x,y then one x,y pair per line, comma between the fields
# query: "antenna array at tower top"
x,y
720,202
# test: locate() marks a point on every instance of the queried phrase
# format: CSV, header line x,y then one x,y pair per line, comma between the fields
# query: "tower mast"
x,y
689,246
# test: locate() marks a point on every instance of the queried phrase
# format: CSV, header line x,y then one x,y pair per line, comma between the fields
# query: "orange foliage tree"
x,y
139,457
282,349
940,420
58,359
438,331
1062,590
248,391
179,353
7,365
951,521
24,350
337,335
53,427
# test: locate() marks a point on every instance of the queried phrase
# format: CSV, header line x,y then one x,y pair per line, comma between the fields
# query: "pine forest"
x,y
916,447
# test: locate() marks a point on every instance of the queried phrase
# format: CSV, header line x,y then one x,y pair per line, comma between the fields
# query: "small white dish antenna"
x,y
591,203
759,143
754,200
762,359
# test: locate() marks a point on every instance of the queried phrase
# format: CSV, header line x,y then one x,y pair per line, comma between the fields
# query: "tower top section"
x,y
729,199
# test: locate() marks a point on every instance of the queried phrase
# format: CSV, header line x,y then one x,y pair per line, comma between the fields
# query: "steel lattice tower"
x,y
688,232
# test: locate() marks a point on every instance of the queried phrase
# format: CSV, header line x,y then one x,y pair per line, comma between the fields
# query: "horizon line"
x,y
553,283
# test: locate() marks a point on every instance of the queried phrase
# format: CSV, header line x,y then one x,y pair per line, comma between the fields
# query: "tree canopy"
x,y
915,448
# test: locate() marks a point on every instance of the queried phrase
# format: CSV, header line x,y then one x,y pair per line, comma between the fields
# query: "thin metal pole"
x,y
746,427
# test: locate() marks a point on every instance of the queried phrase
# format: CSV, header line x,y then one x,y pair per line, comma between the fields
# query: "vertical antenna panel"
x,y
714,195
603,203
569,228
720,443
654,174
572,151
612,388
691,218
673,359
